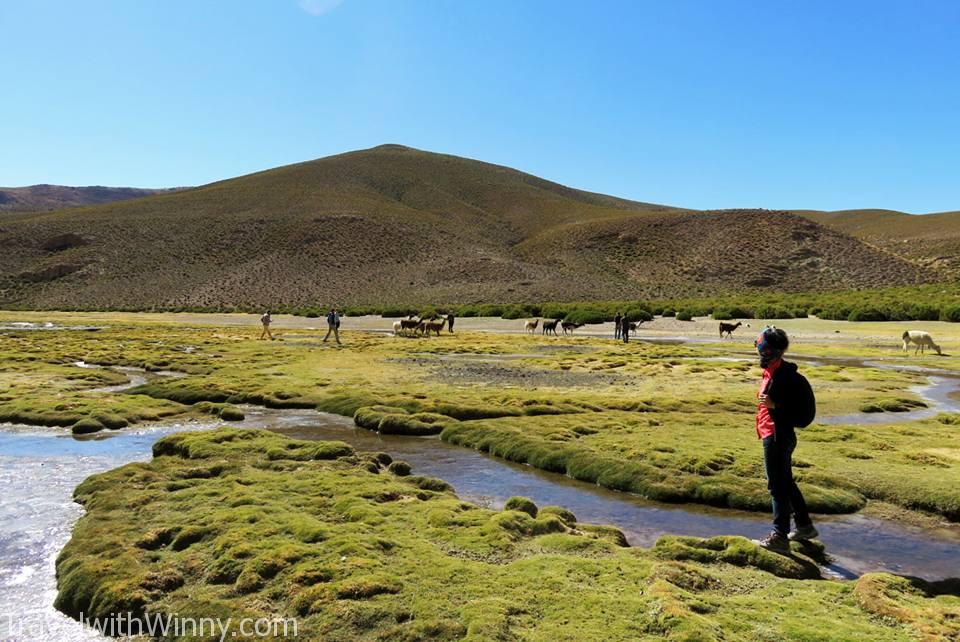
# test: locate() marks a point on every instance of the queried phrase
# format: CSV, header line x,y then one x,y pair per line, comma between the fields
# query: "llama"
x,y
427,327
531,325
728,328
397,328
411,323
569,326
921,339
550,327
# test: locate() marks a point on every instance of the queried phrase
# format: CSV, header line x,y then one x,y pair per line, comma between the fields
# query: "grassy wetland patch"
x,y
247,523
669,422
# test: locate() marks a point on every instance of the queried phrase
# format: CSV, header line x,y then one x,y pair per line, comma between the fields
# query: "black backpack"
x,y
803,404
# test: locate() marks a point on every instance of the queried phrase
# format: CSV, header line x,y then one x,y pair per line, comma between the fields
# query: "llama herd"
x,y
415,326
549,326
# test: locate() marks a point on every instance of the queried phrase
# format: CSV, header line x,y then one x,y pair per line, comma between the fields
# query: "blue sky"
x,y
707,104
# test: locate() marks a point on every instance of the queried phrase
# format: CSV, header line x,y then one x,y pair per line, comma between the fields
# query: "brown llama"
x,y
728,328
433,326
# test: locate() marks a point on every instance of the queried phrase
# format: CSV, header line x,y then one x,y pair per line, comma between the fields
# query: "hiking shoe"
x,y
803,533
774,542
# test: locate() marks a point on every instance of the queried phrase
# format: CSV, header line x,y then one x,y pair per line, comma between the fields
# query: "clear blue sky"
x,y
828,105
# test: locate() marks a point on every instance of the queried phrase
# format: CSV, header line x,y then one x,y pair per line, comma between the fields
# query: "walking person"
x,y
786,402
616,326
333,325
625,328
450,322
265,321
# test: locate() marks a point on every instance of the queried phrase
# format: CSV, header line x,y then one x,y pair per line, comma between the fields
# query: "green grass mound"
x,y
239,523
111,421
232,413
892,405
225,411
390,420
209,444
86,426
565,515
930,608
399,468
521,504
739,551
186,391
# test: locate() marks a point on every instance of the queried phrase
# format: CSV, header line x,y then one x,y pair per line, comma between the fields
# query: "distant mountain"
x,y
399,225
41,198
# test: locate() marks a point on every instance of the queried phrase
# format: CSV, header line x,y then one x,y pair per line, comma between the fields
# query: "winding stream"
x,y
39,470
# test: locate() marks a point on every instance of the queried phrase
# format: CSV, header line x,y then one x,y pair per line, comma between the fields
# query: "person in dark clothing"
x,y
450,321
333,325
625,328
616,325
775,428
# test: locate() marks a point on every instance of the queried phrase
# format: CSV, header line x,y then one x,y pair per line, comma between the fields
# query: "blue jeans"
x,y
786,496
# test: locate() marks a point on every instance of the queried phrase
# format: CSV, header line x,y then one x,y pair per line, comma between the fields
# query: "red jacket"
x,y
765,426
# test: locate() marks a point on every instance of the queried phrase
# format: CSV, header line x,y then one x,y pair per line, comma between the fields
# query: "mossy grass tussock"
x,y
248,523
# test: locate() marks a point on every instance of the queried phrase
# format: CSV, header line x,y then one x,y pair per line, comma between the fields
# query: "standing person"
x,y
625,328
265,321
616,325
786,402
450,321
333,325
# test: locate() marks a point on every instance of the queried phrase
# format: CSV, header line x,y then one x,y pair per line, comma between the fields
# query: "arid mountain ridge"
x,y
44,198
394,224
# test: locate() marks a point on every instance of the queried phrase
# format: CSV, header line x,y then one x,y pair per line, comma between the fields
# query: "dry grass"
x,y
931,239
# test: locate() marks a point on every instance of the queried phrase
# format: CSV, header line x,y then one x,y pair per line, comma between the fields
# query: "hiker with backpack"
x,y
333,325
265,321
786,402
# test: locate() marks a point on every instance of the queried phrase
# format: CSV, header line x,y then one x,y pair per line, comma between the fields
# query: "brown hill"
x,y
932,240
398,225
42,198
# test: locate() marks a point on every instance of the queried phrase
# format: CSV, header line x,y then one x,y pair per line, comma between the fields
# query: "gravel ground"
x,y
491,373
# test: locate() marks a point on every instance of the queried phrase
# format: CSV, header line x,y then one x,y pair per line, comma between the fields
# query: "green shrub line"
x,y
932,302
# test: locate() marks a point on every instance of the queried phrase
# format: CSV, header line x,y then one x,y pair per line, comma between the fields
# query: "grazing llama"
x,y
569,326
728,328
921,339
550,327
432,325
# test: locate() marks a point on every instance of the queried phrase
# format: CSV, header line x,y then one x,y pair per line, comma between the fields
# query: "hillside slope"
x,y
42,198
398,225
929,239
